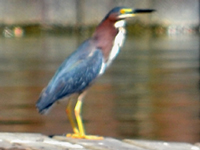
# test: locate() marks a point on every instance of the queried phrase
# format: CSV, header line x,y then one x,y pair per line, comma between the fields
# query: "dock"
x,y
35,141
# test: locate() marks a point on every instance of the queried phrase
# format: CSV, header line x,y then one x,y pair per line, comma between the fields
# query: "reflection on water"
x,y
150,92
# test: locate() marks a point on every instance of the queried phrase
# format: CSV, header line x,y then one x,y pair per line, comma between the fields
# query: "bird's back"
x,y
73,76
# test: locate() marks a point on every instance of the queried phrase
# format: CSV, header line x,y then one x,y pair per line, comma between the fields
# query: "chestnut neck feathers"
x,y
105,34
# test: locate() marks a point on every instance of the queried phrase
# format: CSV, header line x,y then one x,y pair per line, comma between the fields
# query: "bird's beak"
x,y
141,11
129,12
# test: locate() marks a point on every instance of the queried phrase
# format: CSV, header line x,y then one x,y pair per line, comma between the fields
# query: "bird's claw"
x,y
89,137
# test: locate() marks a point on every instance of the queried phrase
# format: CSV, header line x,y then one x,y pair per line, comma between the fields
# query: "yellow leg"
x,y
80,132
70,117
78,116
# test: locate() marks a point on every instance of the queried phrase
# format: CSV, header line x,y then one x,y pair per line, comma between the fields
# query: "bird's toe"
x,y
89,137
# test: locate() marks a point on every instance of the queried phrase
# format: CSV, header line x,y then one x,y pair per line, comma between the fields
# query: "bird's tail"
x,y
44,103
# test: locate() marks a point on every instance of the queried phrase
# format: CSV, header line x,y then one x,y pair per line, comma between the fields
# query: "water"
x,y
151,91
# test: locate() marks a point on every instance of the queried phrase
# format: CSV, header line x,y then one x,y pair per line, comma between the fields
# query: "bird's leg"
x,y
78,116
81,133
70,117
78,132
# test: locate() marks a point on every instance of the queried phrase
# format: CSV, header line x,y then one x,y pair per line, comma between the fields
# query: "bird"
x,y
89,61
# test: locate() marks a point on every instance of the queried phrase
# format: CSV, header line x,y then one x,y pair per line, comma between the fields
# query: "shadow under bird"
x,y
86,64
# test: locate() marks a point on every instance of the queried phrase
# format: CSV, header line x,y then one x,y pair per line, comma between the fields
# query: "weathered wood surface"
x,y
31,141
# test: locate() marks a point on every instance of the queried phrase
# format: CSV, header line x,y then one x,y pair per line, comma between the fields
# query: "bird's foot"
x,y
80,136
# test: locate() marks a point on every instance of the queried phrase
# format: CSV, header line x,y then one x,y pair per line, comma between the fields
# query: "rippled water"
x,y
151,91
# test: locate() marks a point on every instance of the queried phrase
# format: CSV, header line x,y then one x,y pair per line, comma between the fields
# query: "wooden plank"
x,y
161,145
31,141
105,144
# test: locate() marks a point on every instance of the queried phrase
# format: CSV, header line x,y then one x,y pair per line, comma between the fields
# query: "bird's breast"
x,y
117,44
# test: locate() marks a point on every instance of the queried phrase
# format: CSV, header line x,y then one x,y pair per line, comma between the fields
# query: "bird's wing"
x,y
73,76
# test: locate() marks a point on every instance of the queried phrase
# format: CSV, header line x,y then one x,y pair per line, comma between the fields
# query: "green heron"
x,y
83,66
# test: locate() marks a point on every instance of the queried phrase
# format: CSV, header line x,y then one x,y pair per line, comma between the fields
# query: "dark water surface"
x,y
151,91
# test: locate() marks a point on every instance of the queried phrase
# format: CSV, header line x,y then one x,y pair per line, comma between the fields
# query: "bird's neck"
x,y
104,36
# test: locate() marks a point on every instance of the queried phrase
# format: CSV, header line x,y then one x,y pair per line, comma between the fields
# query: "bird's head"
x,y
121,13
113,25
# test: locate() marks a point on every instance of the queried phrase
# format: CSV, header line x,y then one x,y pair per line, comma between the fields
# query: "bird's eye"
x,y
122,11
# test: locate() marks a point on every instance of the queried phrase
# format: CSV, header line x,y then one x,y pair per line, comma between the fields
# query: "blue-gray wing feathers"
x,y
74,75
